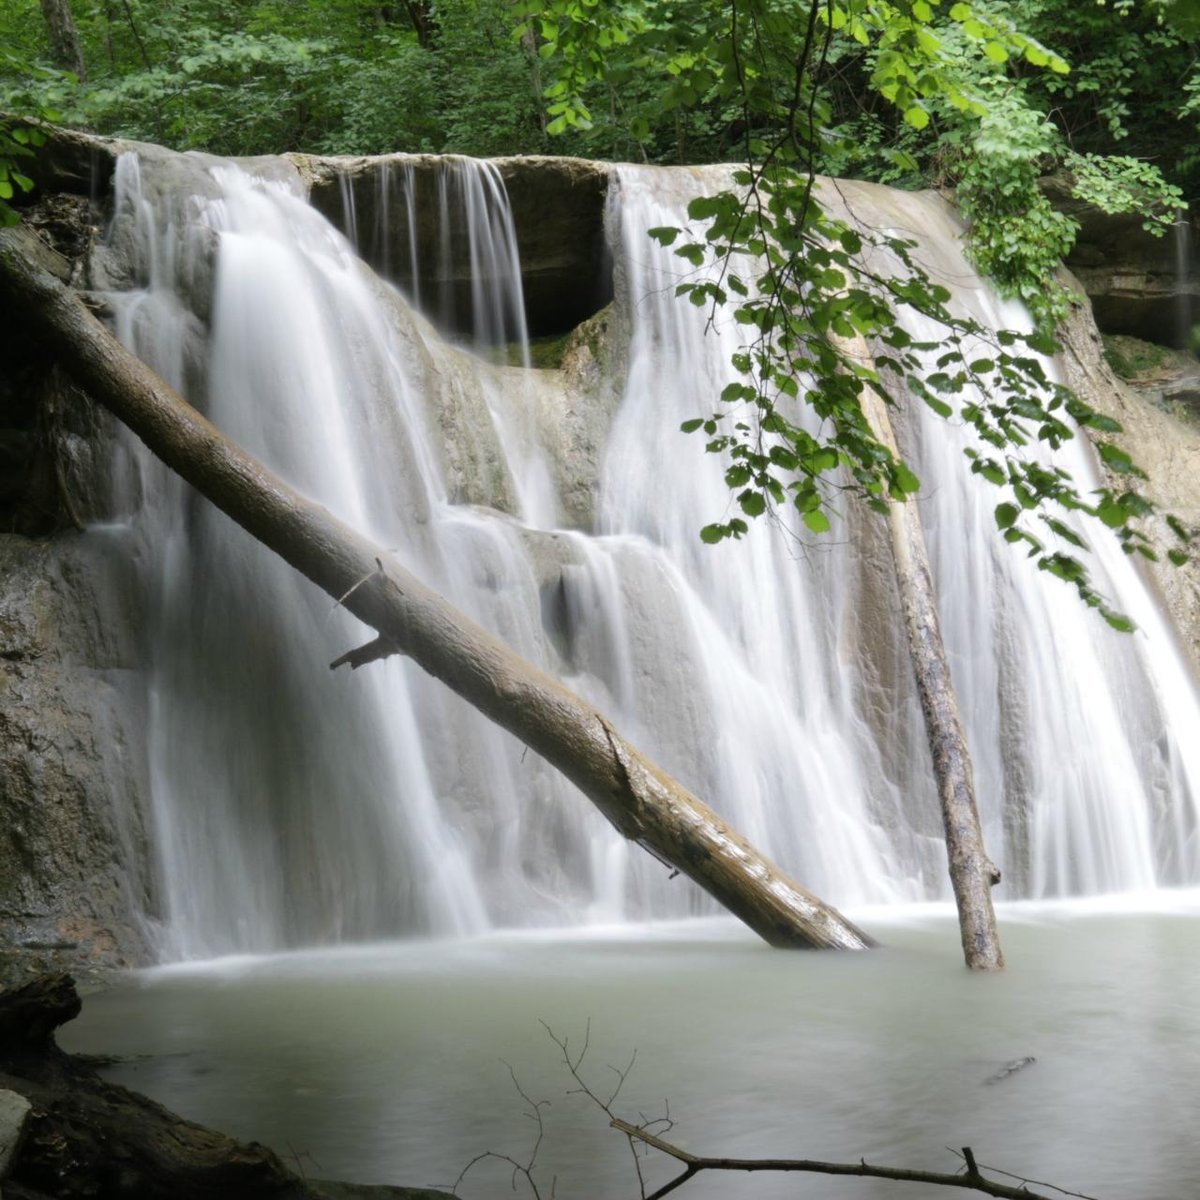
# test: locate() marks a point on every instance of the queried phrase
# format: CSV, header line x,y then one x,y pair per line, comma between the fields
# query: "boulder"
x,y
14,1113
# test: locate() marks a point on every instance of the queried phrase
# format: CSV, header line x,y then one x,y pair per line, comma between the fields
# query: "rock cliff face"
x,y
558,214
73,860
1165,445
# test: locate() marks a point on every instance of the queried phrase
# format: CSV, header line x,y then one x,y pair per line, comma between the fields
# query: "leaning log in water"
x,y
641,801
972,873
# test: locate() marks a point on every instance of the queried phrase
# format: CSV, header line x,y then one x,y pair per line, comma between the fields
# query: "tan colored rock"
x,y
1133,278
1166,447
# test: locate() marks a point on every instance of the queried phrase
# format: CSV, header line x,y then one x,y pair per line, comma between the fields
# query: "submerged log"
x,y
642,802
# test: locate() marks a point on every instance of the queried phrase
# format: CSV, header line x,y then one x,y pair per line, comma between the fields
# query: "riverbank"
x,y
66,1133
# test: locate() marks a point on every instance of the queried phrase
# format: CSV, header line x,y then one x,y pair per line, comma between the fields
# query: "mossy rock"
x,y
1136,360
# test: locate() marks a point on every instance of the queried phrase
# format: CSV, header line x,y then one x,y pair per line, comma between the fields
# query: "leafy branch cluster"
x,y
18,139
793,428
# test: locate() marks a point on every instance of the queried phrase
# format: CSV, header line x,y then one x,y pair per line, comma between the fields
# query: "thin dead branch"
x,y
970,1178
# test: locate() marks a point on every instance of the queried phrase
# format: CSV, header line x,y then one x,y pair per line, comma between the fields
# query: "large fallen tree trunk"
x,y
641,801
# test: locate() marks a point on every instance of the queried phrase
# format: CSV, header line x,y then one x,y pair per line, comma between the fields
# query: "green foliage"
x,y
1117,183
19,139
17,142
1132,358
982,96
229,93
810,301
1017,238
266,76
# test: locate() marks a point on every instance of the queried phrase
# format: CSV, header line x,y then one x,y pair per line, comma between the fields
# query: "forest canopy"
x,y
456,76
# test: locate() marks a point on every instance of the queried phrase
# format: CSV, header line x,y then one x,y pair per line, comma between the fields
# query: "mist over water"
x,y
298,807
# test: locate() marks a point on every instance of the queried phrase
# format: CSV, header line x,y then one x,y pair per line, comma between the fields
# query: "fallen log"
x,y
642,802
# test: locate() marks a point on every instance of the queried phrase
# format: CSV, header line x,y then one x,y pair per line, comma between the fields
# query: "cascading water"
x,y
1080,735
296,807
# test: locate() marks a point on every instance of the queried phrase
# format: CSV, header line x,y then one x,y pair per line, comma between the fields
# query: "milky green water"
x,y
388,1063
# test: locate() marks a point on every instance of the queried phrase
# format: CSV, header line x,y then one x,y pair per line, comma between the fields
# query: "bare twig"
x,y
373,651
971,1179
520,1170
582,1088
355,586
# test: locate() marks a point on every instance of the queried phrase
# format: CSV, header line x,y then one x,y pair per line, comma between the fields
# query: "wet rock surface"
x,y
1136,281
73,859
558,213
84,1137
73,856
1164,440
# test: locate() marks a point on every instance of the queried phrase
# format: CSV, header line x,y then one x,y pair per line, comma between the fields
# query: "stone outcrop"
x,y
558,214
73,860
1139,284
1164,443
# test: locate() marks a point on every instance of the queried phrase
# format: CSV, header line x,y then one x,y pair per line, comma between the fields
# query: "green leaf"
x,y
1006,515
712,534
753,504
905,482
916,116
1120,622
1116,459
817,521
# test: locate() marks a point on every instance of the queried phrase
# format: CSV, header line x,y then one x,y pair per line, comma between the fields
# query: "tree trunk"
x,y
972,873
64,37
642,802
424,23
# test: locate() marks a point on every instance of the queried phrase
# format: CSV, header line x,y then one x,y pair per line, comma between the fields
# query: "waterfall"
x,y
294,806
